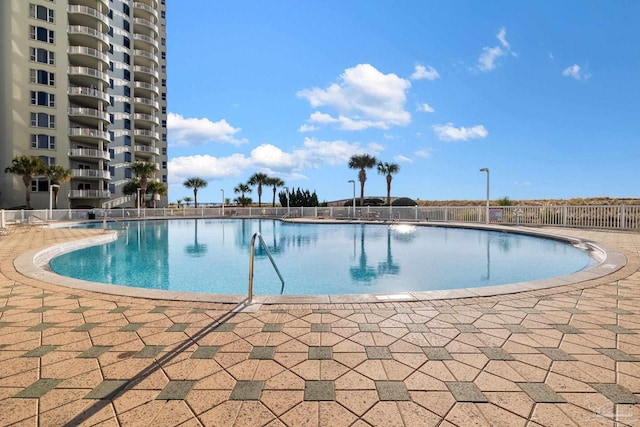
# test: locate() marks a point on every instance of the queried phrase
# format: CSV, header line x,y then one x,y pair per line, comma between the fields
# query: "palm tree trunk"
x,y
389,190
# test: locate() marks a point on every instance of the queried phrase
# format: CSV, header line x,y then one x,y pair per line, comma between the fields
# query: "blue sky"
x,y
543,93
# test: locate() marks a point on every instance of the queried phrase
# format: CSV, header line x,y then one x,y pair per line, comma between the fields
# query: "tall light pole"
x,y
487,210
287,188
354,196
222,189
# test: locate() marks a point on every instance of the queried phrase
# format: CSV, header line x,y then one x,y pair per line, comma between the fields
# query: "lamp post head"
x,y
484,170
352,181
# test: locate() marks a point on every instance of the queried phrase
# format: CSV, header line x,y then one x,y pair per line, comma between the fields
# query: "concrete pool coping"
x,y
35,264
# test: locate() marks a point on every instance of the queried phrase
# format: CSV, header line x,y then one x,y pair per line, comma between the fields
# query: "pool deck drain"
x,y
559,355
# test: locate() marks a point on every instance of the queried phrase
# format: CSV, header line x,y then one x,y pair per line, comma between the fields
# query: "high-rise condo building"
x,y
83,86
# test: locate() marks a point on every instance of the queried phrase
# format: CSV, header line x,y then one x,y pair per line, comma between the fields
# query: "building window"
x,y
42,77
127,91
43,142
111,117
43,120
40,184
127,107
127,75
47,161
163,54
164,96
126,42
164,151
110,14
42,98
110,32
42,13
127,157
127,140
127,173
164,178
126,25
41,55
127,124
164,123
164,82
164,137
41,34
164,109
163,41
125,9
126,58
164,165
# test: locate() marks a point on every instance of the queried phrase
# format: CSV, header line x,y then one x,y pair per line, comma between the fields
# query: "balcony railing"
x,y
147,101
146,70
89,112
147,86
146,23
146,39
146,54
88,51
88,153
91,133
89,194
147,149
146,133
90,72
81,29
90,173
147,118
84,10
87,91
145,7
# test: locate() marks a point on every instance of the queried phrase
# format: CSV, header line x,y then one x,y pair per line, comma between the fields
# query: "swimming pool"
x,y
212,256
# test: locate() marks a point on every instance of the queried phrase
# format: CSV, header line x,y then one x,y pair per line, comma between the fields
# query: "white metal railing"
x,y
90,173
146,70
146,39
81,29
147,117
146,7
252,251
147,149
147,101
93,133
88,51
86,71
87,91
88,112
620,217
146,54
88,11
89,153
146,133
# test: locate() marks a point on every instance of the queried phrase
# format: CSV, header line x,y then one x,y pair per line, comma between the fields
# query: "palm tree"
x,y
131,188
187,200
276,182
258,179
156,188
144,171
362,162
28,168
241,189
195,183
388,169
57,175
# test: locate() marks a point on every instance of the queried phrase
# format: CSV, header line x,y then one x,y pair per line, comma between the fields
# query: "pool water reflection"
x,y
212,256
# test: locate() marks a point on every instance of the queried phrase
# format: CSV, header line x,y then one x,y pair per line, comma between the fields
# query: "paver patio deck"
x,y
564,356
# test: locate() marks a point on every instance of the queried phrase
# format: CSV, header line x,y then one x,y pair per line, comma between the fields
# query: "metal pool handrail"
x,y
251,257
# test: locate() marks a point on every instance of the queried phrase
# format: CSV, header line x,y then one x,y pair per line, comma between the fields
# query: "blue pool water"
x,y
212,256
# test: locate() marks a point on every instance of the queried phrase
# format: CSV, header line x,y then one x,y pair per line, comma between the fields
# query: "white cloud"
x,y
193,131
364,98
489,55
426,108
308,128
576,72
268,158
402,159
448,132
424,153
421,72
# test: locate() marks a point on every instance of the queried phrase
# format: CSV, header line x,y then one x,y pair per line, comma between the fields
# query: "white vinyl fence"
x,y
605,217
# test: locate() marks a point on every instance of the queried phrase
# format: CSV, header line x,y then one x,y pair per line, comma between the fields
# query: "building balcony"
x,y
146,24
139,6
146,102
145,41
89,194
146,70
146,134
145,149
92,135
145,56
81,35
89,154
146,118
88,93
90,174
84,15
87,52
146,87
88,75
80,113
